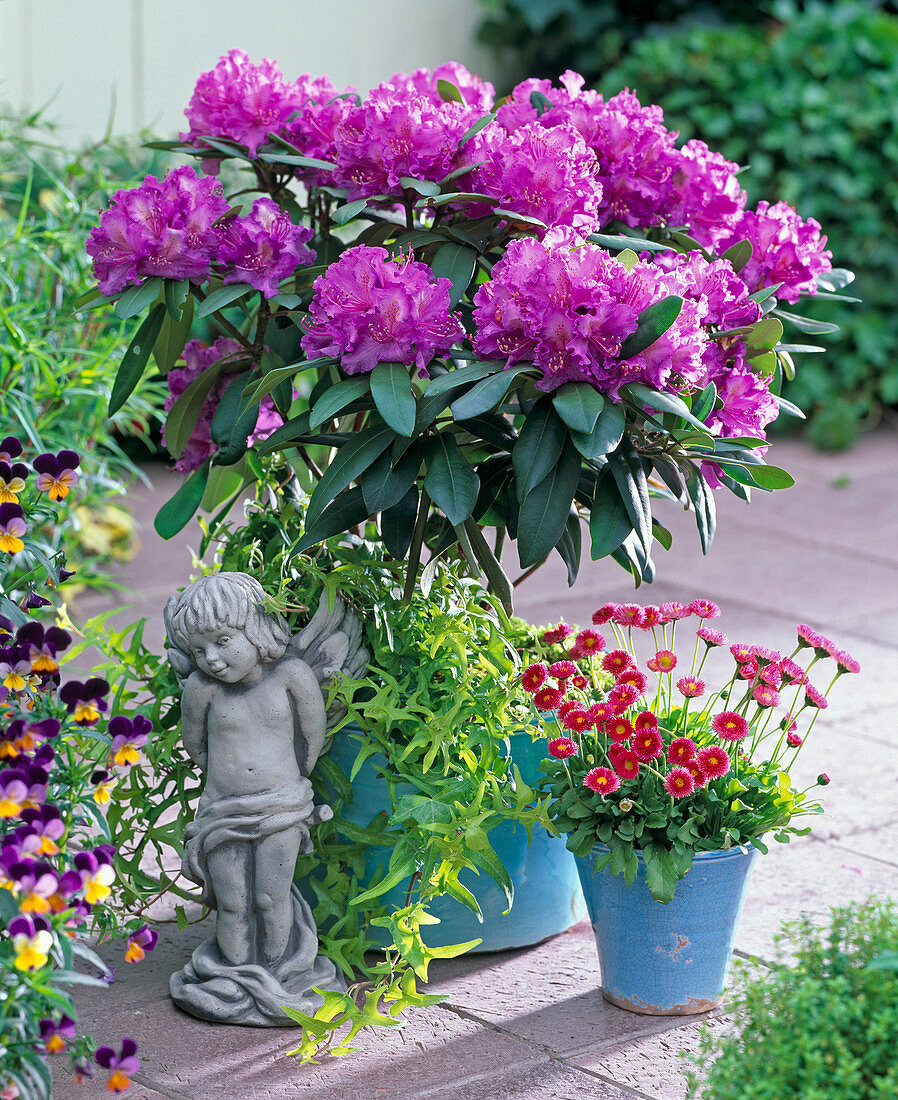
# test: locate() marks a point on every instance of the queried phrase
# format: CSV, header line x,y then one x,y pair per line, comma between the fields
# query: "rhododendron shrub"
x,y
444,312
645,763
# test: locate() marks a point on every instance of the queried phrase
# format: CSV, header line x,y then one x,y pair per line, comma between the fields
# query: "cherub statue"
x,y
254,720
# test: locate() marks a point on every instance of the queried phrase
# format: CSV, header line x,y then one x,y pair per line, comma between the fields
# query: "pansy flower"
x,y
43,645
97,874
56,473
15,668
12,481
103,783
13,792
85,701
34,883
12,528
31,942
42,829
55,1036
140,942
10,449
122,1066
128,737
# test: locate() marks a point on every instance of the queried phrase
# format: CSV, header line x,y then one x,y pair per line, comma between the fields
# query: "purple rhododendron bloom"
x,y
568,306
198,357
548,174
158,229
474,91
313,126
703,194
785,249
370,309
263,248
241,101
398,132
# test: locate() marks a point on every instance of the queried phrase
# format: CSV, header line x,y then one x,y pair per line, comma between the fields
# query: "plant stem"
x,y
414,553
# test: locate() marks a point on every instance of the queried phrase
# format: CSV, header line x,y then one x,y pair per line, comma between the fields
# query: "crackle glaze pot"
x,y
667,960
547,898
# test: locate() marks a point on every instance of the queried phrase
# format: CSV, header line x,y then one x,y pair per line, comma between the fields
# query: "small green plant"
x,y
825,1028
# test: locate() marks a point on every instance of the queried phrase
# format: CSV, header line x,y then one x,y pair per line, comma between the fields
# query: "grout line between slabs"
x,y
164,1090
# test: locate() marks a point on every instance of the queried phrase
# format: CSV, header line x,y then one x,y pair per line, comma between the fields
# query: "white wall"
x,y
142,57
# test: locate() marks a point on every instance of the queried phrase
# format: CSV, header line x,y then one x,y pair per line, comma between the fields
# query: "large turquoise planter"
x,y
667,960
547,898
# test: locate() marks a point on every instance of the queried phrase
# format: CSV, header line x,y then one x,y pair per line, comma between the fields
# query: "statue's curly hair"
x,y
226,599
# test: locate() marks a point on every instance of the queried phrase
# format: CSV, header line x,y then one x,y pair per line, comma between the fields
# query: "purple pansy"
x,y
12,481
56,473
139,943
129,735
12,528
122,1066
10,448
85,701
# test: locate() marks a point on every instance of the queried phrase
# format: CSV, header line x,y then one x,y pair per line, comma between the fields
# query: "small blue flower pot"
x,y
547,894
667,960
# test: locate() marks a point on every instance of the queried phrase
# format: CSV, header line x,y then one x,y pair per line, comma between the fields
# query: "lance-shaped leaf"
x,y
224,296
489,563
275,377
135,358
807,324
350,462
538,446
391,389
286,435
619,243
663,402
488,394
172,337
569,546
462,376
544,511
609,520
175,294
653,322
185,412
703,403
738,254
579,405
384,485
336,398
234,421
702,497
450,481
178,510
605,436
632,485
397,524
345,511
135,299
457,263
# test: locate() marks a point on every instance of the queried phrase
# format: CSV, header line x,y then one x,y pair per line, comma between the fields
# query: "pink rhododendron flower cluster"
x,y
568,306
241,101
312,129
263,248
162,228
475,93
198,357
369,309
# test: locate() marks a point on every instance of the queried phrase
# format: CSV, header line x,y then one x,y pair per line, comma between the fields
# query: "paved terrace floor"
x,y
531,1023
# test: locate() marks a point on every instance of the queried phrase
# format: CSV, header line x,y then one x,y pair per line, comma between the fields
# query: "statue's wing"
x,y
180,661
331,644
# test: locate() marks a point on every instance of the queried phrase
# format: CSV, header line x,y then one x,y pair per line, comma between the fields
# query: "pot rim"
x,y
716,853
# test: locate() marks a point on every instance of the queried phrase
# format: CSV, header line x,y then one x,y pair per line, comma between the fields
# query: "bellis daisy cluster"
x,y
698,768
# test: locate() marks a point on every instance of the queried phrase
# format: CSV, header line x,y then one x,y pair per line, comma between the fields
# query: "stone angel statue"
x,y
254,719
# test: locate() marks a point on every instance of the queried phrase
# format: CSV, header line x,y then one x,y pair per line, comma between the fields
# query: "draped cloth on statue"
x,y
209,986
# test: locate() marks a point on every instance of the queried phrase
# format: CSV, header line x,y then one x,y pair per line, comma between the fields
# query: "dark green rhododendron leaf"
x,y
653,322
179,509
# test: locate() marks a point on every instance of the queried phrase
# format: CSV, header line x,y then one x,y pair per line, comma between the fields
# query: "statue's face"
x,y
225,654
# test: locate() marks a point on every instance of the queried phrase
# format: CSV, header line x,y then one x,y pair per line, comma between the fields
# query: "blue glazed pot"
x,y
547,894
667,960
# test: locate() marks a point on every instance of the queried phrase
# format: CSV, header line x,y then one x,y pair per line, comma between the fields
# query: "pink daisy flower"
x,y
647,744
711,637
602,780
765,656
635,677
680,750
628,614
698,776
663,661
577,720
562,747
600,713
615,751
604,614
619,729
622,696
749,670
563,670
588,642
845,661
627,764
741,653
808,637
705,609
814,698
691,686
674,611
533,677
557,634
792,672
714,761
579,682
652,615
765,695
679,783
569,705
645,720
730,726
794,740
772,675
547,698
616,660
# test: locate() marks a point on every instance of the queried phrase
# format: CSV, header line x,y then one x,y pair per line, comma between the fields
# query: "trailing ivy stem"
x,y
414,553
